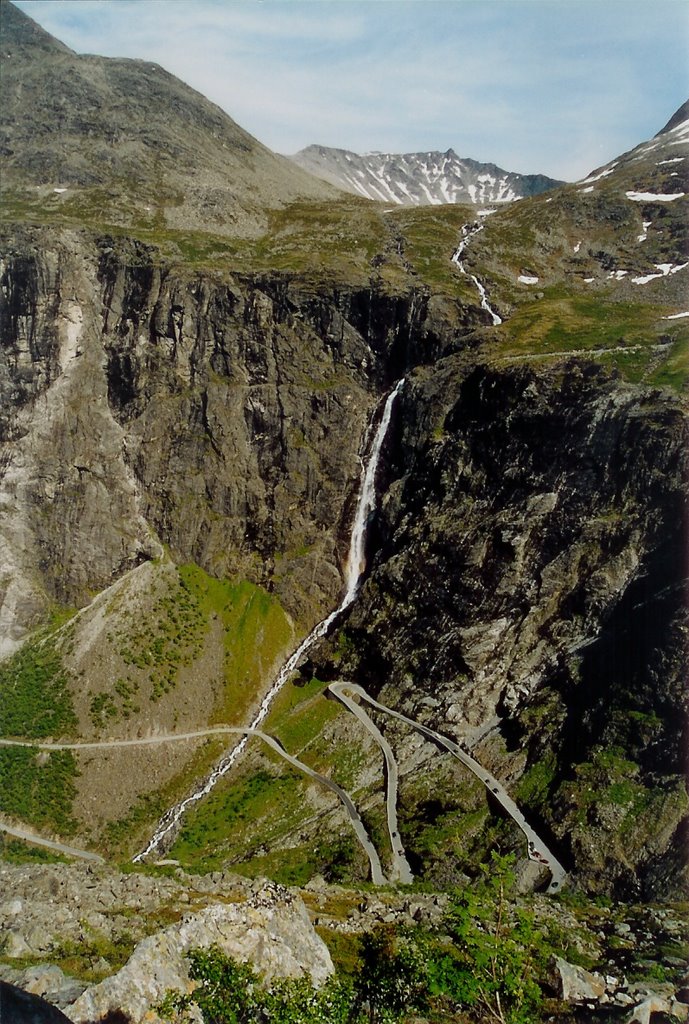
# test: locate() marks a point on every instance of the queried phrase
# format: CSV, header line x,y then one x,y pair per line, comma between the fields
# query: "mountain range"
x,y
192,405
418,179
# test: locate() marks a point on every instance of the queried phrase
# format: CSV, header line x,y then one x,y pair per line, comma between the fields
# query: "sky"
x,y
555,87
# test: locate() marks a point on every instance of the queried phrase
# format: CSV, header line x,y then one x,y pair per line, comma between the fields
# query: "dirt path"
x,y
51,844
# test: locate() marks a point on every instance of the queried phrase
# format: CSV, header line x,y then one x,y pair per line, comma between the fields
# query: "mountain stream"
x,y
468,232
354,569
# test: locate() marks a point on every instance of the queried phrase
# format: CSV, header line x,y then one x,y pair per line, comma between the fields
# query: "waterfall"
x,y
354,569
467,233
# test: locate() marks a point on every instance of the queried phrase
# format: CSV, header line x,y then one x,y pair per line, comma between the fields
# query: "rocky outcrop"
x,y
271,931
57,908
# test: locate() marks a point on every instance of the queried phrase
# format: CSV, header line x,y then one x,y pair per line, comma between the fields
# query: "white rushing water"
x,y
467,233
356,563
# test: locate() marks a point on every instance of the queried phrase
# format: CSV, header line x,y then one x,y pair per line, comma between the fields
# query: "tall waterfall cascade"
x,y
354,570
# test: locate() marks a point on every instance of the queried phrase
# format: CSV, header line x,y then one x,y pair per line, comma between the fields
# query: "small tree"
x,y
492,963
392,977
232,993
228,992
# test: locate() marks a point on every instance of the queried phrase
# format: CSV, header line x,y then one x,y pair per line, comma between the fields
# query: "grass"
x,y
169,638
562,321
124,836
257,635
533,788
428,236
641,347
249,813
299,714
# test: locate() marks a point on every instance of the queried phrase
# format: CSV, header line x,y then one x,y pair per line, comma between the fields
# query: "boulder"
x,y
576,985
271,931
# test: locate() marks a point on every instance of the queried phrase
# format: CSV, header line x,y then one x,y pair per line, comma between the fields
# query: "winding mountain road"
x,y
341,691
401,872
377,876
536,848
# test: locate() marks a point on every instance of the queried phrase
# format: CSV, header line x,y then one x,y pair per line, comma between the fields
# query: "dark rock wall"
x,y
219,415
529,572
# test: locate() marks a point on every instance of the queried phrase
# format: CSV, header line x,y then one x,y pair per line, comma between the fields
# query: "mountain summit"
x,y
420,179
128,139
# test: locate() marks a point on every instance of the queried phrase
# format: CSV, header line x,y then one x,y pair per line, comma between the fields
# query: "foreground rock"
x,y
271,931
19,1006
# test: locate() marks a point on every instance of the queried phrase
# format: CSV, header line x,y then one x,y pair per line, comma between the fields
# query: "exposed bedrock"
x,y
529,571
219,415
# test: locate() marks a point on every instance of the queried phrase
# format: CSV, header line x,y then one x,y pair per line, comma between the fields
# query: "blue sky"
x,y
551,86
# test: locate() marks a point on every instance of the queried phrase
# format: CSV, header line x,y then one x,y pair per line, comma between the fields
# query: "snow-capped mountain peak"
x,y
417,179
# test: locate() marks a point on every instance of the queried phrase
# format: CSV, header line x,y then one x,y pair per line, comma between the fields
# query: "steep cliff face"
x,y
524,591
219,415
528,588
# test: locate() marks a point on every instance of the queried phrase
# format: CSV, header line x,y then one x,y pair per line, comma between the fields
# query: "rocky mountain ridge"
x,y
418,179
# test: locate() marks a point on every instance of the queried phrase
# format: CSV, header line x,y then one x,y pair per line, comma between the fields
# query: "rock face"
x,y
223,419
420,179
517,583
271,931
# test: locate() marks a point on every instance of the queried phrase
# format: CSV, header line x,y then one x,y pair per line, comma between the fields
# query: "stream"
x,y
354,569
467,233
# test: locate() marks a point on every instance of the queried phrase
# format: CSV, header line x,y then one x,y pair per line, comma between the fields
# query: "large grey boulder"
x,y
576,985
271,931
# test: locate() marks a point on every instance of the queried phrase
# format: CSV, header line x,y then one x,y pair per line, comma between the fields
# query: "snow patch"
x,y
59,190
525,279
597,177
665,270
676,316
680,129
618,274
674,160
653,197
644,236
577,247
589,280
